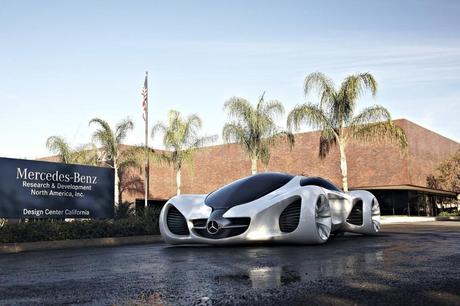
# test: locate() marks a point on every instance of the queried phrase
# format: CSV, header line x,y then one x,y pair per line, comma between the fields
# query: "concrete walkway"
x,y
405,219
77,243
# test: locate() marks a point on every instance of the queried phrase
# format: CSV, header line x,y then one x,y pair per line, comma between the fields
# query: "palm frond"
x,y
86,154
350,91
368,115
233,132
371,114
132,157
381,132
191,126
204,141
181,137
319,82
186,158
129,163
163,158
260,102
334,115
105,137
239,108
310,114
272,108
194,121
158,128
327,140
122,128
281,136
254,127
236,133
263,154
354,86
102,123
58,145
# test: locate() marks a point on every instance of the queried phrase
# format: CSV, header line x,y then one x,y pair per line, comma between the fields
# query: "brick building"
x,y
399,180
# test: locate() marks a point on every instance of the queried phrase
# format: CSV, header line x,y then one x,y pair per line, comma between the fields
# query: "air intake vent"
x,y
289,218
356,214
176,222
200,223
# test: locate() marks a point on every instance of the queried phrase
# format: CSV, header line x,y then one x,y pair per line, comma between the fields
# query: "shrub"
x,y
47,230
124,210
449,214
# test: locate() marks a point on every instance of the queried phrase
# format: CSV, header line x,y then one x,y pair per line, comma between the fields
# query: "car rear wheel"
x,y
323,218
375,215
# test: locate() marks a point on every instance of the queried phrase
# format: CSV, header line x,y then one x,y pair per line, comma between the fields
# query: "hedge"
x,y
449,214
48,230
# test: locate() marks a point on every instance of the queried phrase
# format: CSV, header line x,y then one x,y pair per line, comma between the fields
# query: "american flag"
x,y
145,107
145,98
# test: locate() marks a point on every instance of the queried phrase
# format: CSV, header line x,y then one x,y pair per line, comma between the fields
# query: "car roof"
x,y
256,186
247,189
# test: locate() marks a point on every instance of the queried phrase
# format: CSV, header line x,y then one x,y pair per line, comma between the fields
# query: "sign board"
x,y
37,189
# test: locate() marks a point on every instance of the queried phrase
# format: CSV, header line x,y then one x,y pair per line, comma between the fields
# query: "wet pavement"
x,y
410,264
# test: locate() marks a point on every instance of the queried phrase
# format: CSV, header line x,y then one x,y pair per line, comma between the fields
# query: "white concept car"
x,y
269,207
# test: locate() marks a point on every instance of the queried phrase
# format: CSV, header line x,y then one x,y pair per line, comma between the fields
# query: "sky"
x,y
65,62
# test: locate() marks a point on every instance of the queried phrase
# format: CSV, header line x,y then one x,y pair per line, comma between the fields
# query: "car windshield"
x,y
246,190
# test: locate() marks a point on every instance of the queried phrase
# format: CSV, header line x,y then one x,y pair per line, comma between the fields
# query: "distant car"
x,y
269,207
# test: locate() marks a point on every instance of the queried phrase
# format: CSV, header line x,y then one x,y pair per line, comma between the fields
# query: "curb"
x,y
10,248
448,218
404,219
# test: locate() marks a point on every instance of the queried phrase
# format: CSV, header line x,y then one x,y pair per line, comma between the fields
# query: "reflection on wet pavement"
x,y
272,277
312,267
416,261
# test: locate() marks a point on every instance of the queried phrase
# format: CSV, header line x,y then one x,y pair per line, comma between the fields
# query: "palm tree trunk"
x,y
254,166
343,167
117,185
120,192
178,181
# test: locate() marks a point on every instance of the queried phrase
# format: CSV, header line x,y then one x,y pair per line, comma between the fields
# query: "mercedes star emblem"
x,y
212,227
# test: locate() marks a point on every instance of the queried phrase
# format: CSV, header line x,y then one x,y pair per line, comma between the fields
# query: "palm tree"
x,y
113,153
85,154
254,128
335,116
180,137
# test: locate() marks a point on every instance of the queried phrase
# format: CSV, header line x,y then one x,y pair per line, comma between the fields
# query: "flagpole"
x,y
146,170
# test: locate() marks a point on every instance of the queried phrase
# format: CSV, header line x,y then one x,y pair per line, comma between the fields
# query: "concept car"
x,y
269,207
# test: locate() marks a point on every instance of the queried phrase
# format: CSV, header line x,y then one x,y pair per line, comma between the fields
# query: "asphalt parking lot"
x,y
410,264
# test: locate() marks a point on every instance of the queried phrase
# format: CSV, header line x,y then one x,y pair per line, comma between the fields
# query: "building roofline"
x,y
407,187
427,129
402,120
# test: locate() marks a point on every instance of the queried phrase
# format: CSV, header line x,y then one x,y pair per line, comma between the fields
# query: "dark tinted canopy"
x,y
318,181
246,190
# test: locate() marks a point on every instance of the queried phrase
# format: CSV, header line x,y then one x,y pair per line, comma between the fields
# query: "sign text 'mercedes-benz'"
x,y
37,189
55,177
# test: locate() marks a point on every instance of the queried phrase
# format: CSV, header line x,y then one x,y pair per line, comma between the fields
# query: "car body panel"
x,y
322,212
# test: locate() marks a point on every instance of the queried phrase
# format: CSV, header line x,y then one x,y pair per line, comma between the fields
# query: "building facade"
x,y
398,179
